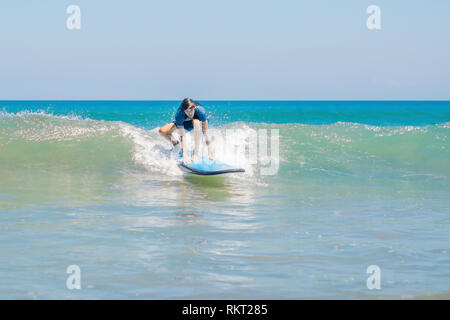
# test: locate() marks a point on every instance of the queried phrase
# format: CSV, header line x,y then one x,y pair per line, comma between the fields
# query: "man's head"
x,y
188,105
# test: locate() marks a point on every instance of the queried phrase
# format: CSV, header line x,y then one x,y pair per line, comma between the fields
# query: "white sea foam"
x,y
153,152
231,144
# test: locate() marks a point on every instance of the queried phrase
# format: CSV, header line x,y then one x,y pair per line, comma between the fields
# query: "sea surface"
x,y
339,186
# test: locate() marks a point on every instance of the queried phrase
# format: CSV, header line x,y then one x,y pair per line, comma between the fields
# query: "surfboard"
x,y
207,167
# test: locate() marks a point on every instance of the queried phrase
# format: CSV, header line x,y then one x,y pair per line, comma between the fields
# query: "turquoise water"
x,y
91,183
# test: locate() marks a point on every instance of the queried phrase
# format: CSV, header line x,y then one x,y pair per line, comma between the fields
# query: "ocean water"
x,y
349,185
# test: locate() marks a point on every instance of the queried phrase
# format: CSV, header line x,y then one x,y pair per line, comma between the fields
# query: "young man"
x,y
190,115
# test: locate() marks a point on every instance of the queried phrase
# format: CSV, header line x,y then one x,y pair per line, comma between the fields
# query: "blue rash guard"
x,y
181,119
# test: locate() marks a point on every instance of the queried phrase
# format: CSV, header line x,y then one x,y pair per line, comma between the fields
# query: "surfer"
x,y
190,115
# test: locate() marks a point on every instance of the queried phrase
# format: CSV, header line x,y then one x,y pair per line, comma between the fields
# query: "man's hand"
x,y
210,149
186,159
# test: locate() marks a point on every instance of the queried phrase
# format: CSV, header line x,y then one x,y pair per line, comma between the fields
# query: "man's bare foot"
x,y
186,159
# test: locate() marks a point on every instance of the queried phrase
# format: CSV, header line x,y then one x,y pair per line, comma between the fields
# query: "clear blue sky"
x,y
229,49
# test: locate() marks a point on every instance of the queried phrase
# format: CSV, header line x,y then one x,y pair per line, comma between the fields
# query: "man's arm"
x,y
205,129
182,133
207,139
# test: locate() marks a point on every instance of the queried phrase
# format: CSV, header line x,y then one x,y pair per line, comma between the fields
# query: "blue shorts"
x,y
188,125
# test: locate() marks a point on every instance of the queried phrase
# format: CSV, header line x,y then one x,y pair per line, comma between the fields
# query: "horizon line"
x,y
256,100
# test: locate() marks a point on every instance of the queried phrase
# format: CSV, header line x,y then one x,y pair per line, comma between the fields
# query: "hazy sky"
x,y
229,49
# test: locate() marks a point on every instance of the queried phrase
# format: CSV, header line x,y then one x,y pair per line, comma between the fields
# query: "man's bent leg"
x,y
167,130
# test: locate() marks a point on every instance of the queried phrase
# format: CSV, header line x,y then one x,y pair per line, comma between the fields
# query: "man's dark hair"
x,y
187,103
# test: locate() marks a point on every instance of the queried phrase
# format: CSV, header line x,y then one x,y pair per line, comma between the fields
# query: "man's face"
x,y
190,112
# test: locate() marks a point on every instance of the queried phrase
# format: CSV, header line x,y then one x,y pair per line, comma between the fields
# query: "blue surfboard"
x,y
207,167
